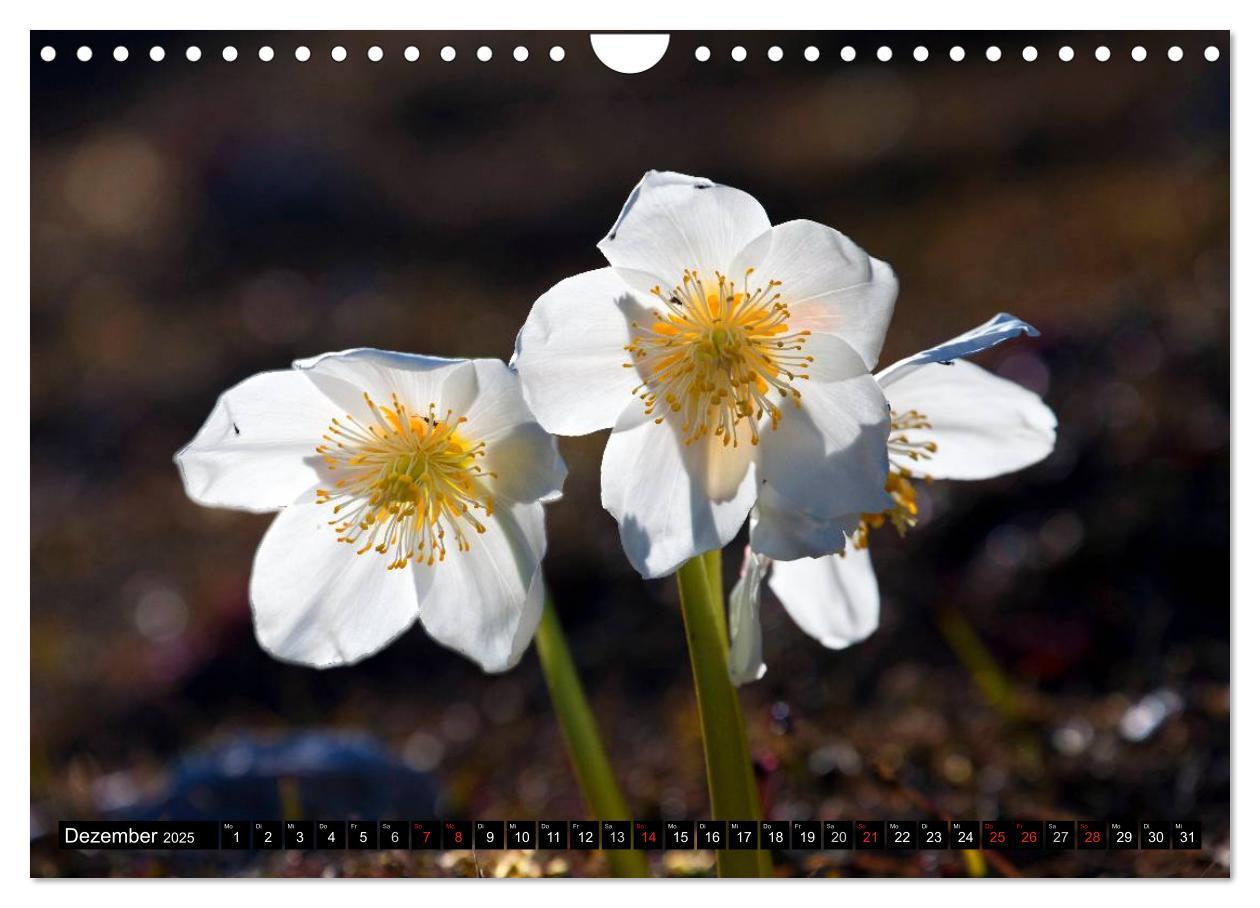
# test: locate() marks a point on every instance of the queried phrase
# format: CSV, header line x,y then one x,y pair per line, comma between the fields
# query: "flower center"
x,y
904,512
719,355
409,479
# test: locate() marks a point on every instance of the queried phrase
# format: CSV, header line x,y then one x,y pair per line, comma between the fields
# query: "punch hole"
x,y
957,54
521,54
993,54
556,54
738,54
627,54
411,54
775,54
1211,54
157,54
193,54
921,53
1175,54
84,54
266,54
120,54
1030,53
848,54
339,54
302,54
229,53
812,54
884,54
484,54
1102,54
1139,53
1066,54
47,54
375,54
703,54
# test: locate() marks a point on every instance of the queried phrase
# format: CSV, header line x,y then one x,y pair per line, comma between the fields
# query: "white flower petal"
x,y
417,380
745,619
658,489
834,599
673,222
479,602
523,456
830,284
527,465
256,451
1002,327
315,601
499,405
531,616
782,533
982,425
571,352
829,457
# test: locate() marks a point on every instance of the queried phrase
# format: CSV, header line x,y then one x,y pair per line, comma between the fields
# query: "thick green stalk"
x,y
581,735
713,566
732,789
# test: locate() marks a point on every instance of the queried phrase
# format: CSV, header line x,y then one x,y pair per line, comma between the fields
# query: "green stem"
x,y
586,751
713,567
732,790
975,656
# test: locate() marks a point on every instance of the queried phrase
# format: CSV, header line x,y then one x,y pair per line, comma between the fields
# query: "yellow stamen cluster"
x,y
905,510
409,478
900,444
719,354
903,514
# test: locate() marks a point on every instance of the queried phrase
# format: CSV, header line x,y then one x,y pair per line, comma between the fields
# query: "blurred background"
x,y
1054,644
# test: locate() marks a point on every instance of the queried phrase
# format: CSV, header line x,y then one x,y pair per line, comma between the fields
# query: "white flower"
x,y
408,487
731,359
950,420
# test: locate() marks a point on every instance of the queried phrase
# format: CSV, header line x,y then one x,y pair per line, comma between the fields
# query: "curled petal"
x,y
999,329
745,619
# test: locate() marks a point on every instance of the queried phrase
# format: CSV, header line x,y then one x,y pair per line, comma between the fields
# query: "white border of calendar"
x,y
657,15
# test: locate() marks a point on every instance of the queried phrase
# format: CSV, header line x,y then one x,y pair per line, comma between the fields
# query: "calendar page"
x,y
707,454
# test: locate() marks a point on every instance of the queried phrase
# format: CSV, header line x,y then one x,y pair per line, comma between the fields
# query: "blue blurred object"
x,y
318,774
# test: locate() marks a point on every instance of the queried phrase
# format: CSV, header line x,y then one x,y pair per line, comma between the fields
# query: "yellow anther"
x,y
411,476
715,353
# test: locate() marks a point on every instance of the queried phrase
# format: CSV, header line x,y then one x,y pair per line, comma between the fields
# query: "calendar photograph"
x,y
680,454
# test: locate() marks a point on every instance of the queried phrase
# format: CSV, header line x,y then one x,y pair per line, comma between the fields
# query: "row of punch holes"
x,y
703,54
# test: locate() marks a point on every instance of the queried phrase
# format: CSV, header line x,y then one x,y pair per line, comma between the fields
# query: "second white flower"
x,y
731,359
